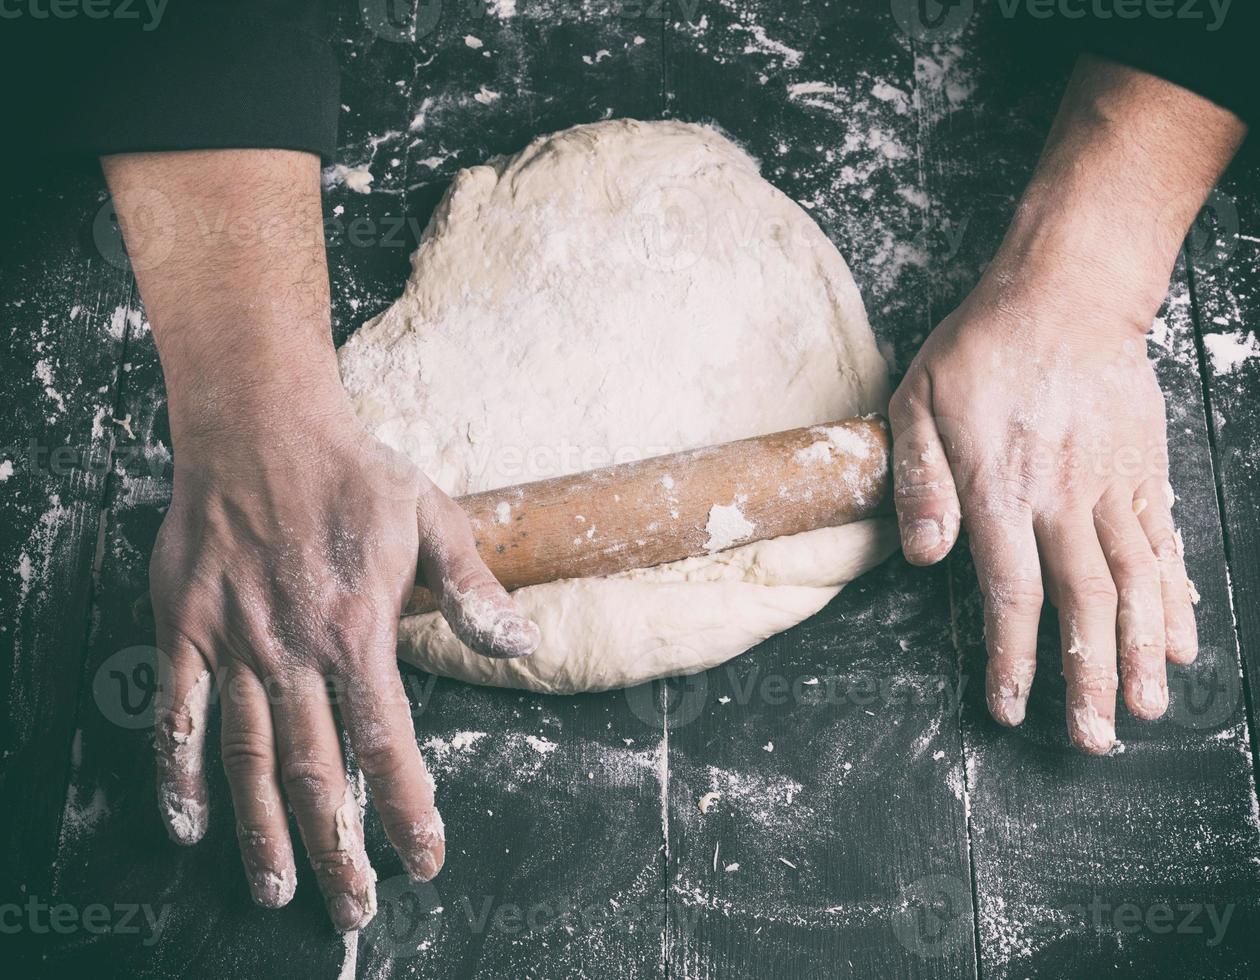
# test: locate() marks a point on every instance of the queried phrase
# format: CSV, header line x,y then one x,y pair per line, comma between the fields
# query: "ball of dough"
x,y
612,292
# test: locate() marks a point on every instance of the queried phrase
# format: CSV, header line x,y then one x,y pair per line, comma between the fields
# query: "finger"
x,y
923,484
1082,589
1140,608
377,717
179,737
314,778
1005,553
249,759
477,608
1153,506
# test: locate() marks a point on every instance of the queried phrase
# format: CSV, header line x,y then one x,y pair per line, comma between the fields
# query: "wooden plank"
x,y
553,814
63,311
837,844
1224,262
552,805
1083,863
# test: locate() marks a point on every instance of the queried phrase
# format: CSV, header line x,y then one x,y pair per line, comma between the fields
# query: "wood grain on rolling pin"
x,y
667,508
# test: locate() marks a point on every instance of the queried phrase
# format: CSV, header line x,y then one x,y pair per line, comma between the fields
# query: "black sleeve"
x,y
173,75
1207,46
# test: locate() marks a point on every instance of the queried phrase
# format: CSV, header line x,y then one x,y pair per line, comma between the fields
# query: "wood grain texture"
x,y
62,314
864,824
836,846
667,508
1075,859
1223,259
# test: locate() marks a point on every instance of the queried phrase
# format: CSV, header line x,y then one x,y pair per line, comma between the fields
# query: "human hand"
x,y
1033,416
1042,426
279,575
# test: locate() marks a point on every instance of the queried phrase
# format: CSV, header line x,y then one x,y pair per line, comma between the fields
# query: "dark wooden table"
x,y
872,819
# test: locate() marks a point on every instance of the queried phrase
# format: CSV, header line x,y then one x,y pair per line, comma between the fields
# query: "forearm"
x,y
228,251
1125,169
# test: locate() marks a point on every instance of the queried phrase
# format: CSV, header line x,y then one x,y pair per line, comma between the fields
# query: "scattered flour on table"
x,y
1229,351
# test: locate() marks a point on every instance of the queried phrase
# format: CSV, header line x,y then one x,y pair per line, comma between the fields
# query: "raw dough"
x,y
612,292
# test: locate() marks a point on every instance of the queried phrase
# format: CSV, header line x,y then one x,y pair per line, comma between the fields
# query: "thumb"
x,y
476,607
923,485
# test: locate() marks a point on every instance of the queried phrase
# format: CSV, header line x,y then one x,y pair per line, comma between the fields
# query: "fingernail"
x,y
1008,706
1007,694
272,889
1150,697
921,536
1013,709
185,817
1094,733
423,866
515,635
347,913
1183,645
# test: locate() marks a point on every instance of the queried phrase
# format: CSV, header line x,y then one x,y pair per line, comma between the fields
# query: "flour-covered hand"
x,y
279,575
292,538
1043,430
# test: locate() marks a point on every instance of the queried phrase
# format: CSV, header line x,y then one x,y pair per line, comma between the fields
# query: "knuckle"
x,y
253,834
417,835
338,871
246,756
1018,596
1137,568
381,760
1164,545
471,577
1094,591
352,619
308,781
1001,499
1096,682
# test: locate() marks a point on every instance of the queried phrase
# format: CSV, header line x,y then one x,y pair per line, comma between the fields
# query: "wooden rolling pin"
x,y
671,507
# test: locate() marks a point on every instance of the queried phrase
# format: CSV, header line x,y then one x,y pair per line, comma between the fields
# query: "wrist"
x,y
254,396
1080,260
